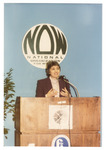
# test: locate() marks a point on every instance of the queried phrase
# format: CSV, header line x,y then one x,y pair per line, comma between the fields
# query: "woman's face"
x,y
54,71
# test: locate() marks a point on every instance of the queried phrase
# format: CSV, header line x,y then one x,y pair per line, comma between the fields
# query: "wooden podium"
x,y
40,120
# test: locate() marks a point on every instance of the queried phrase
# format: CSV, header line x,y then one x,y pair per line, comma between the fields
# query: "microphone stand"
x,y
77,95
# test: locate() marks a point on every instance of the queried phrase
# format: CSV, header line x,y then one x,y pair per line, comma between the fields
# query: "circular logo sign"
x,y
42,43
61,141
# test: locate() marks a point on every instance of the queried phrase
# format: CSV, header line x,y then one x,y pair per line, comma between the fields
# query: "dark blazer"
x,y
44,85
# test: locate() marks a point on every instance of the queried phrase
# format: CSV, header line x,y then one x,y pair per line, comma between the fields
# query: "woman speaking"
x,y
52,86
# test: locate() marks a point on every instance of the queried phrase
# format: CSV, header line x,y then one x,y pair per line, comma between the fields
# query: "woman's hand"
x,y
65,93
51,93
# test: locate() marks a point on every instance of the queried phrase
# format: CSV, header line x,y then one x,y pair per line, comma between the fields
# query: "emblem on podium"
x,y
61,141
60,117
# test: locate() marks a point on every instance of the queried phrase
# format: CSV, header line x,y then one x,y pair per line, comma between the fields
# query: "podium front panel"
x,y
52,115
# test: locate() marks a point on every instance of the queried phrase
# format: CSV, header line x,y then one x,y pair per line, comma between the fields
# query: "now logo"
x,y
44,42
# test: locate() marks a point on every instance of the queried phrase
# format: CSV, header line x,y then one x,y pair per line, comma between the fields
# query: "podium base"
x,y
76,139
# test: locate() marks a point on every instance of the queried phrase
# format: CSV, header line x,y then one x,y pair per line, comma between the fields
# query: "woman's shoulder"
x,y
43,80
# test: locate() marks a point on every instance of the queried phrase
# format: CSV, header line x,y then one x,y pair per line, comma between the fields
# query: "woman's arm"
x,y
39,90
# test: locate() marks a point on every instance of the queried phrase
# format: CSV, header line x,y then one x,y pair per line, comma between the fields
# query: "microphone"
x,y
74,88
62,77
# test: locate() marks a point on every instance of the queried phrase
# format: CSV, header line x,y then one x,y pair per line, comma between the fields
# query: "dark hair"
x,y
49,65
